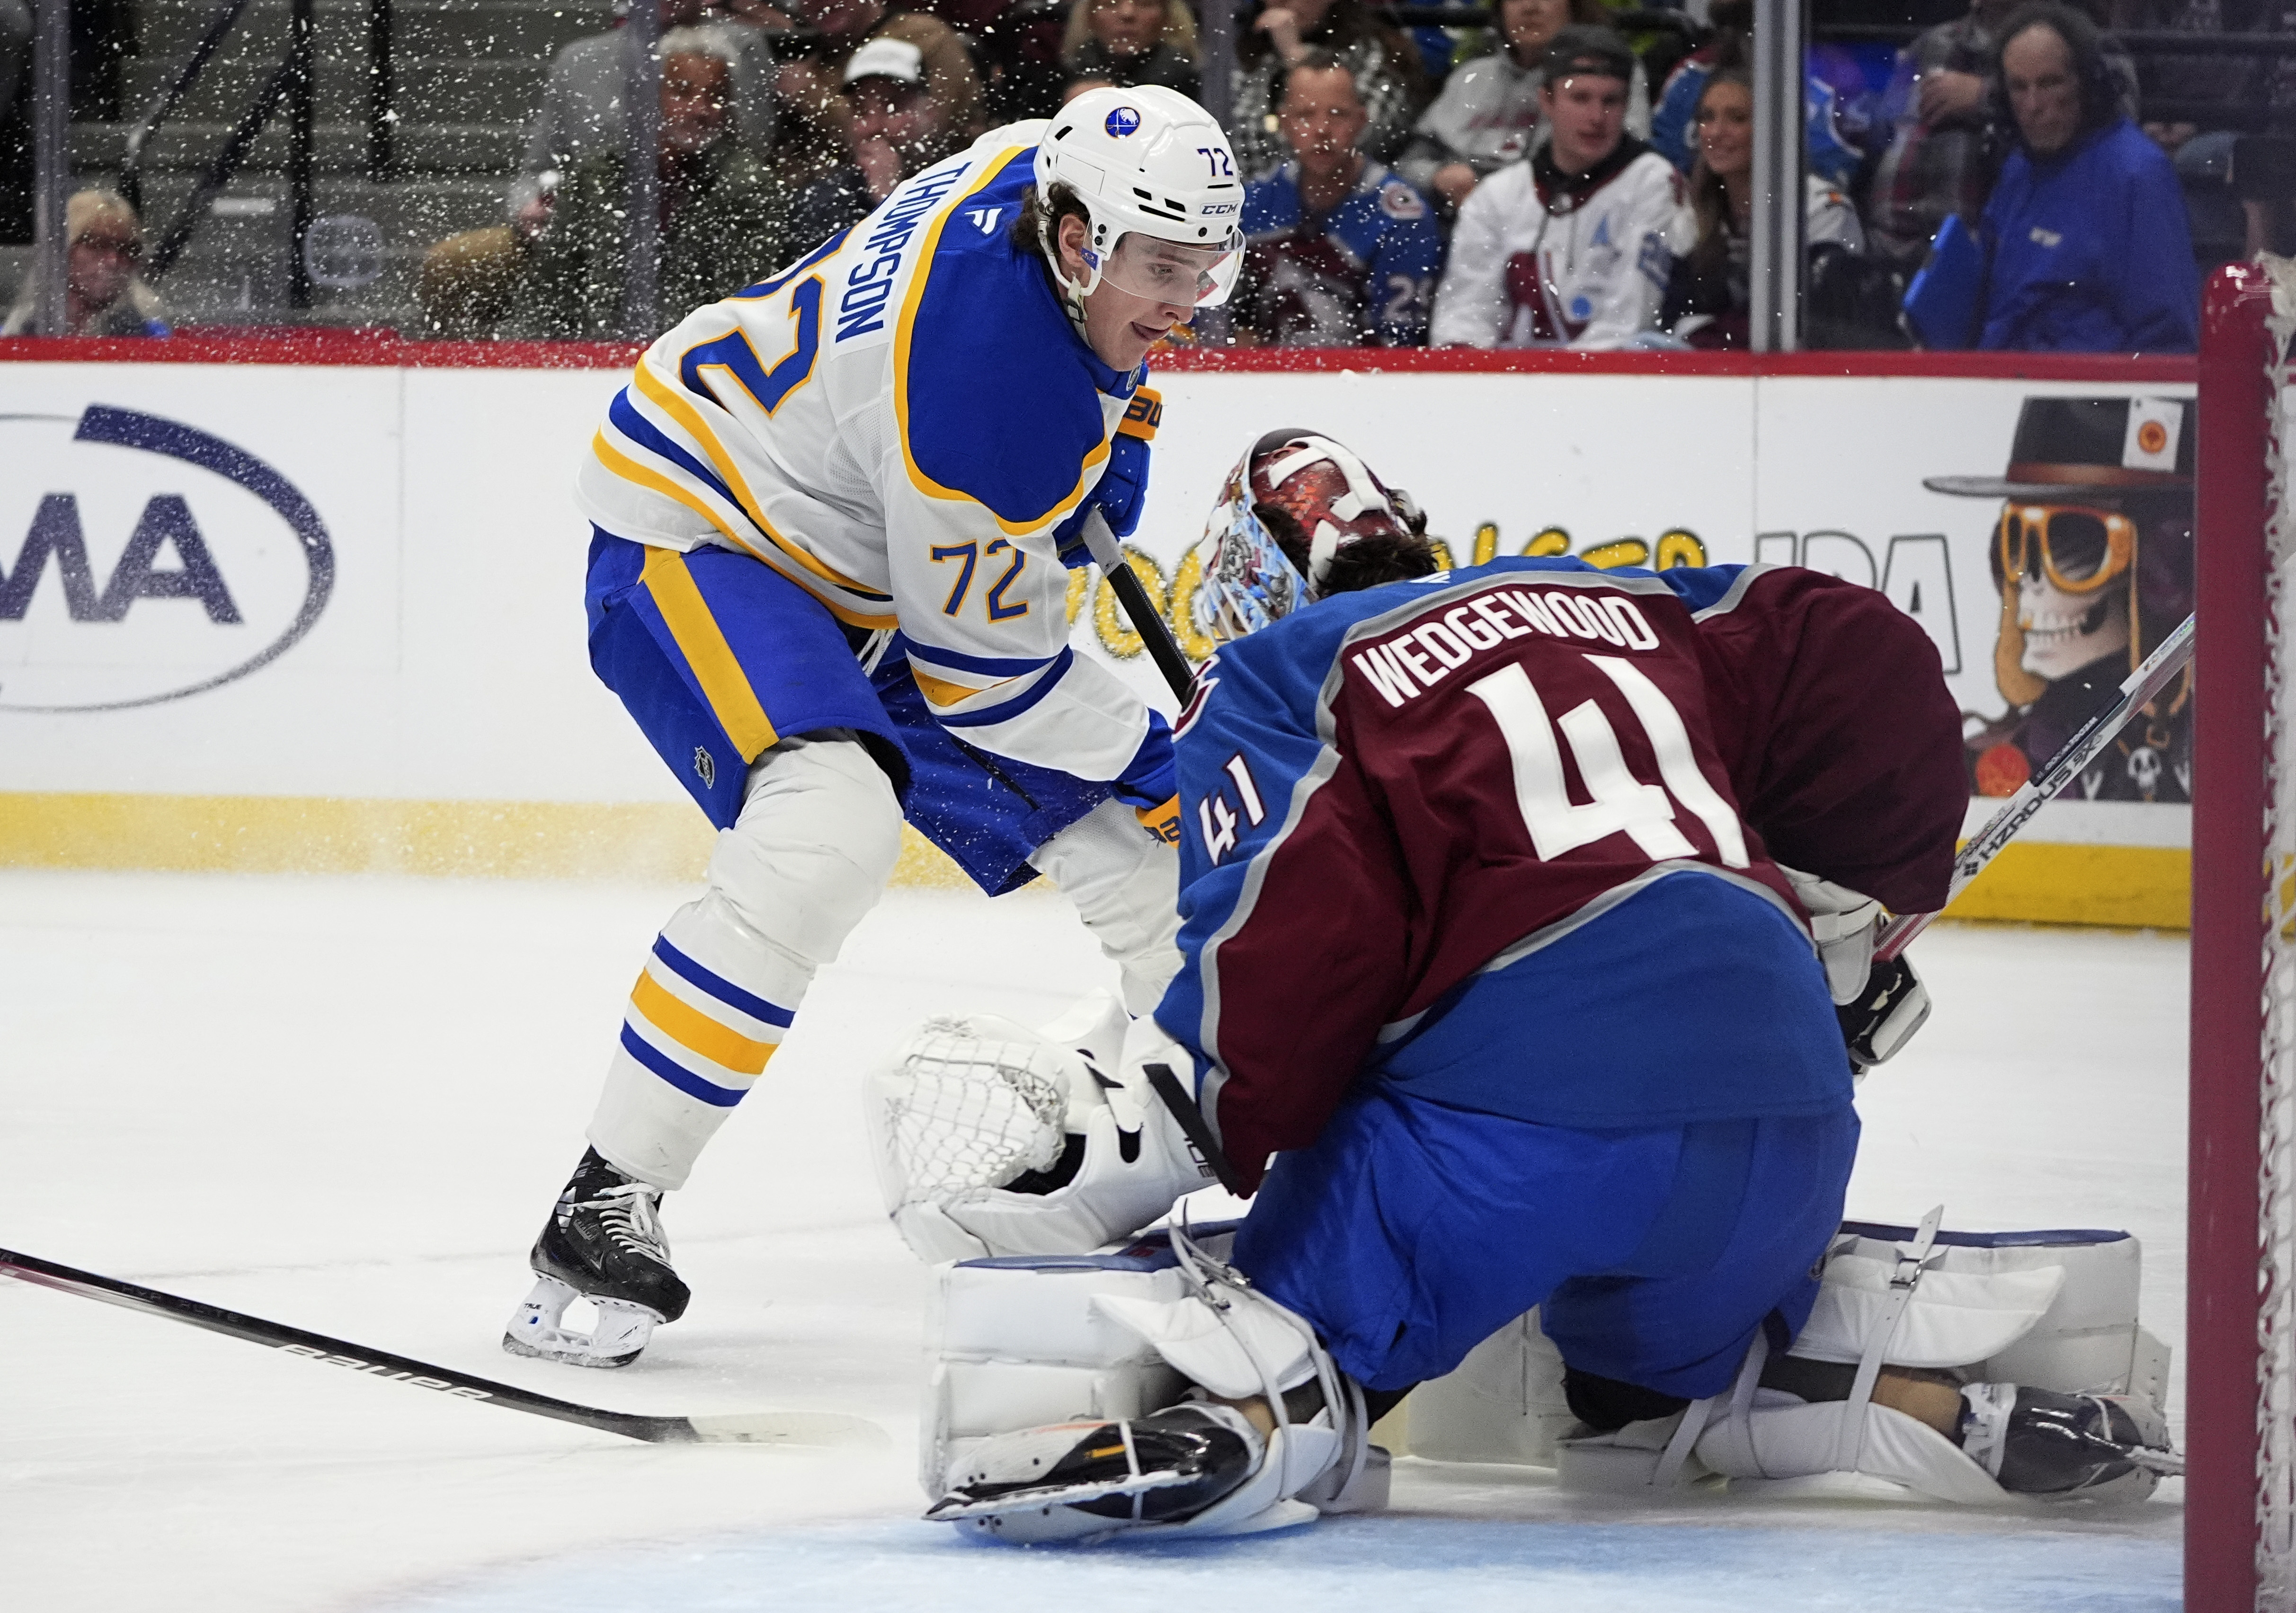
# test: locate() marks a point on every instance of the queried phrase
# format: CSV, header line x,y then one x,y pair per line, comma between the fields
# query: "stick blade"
x,y
812,1430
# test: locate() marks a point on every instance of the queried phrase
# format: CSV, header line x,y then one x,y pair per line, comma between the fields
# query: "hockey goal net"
x,y
2240,1518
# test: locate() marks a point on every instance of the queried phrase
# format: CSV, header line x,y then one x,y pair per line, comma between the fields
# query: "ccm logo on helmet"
x,y
1122,121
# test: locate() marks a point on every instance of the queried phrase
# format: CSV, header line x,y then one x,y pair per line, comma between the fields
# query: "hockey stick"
x,y
1192,1124
2088,742
1162,647
815,1428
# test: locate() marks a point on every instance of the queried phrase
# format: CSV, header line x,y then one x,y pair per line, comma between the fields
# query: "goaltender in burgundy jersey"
x,y
1535,804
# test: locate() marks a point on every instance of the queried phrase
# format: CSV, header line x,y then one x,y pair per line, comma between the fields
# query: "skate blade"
x,y
537,1329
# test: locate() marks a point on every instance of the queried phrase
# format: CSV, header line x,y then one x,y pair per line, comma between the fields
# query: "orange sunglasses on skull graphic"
x,y
2091,555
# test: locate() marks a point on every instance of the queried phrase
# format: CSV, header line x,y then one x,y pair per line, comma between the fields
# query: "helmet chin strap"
x,y
1072,295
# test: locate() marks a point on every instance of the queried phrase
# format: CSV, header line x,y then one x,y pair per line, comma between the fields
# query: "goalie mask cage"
x,y
2240,1394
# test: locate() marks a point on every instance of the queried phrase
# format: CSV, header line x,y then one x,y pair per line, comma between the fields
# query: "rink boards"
x,y
328,616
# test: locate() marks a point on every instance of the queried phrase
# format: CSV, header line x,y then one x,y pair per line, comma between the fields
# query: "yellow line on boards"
x,y
317,834
2049,882
2133,887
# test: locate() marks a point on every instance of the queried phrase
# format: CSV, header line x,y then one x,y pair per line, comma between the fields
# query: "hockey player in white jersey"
x,y
1573,246
833,513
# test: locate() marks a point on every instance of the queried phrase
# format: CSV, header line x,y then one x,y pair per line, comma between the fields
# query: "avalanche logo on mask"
x,y
1122,121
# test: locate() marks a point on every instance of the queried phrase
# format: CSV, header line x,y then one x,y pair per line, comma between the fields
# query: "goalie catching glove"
x,y
993,1139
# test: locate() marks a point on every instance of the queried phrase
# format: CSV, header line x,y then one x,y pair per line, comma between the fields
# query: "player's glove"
x,y
1122,485
1151,785
1883,1017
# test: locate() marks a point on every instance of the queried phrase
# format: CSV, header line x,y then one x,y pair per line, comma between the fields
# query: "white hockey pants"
x,y
1125,886
819,831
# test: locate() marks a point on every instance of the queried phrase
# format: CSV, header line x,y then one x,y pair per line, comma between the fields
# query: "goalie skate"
x,y
603,1243
1076,1480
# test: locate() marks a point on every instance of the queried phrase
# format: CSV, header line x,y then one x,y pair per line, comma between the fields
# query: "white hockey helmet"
x,y
1150,164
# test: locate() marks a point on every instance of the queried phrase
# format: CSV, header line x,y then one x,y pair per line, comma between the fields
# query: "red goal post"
x,y
2239,1352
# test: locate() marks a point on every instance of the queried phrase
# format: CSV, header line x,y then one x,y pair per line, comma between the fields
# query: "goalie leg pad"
x,y
815,842
1125,886
2064,1403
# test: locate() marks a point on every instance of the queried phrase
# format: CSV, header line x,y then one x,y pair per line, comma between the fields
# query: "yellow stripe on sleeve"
x,y
696,1031
724,683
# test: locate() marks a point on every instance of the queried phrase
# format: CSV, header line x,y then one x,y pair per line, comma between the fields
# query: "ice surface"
x,y
347,1103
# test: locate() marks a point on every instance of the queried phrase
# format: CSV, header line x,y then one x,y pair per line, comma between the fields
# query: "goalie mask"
x,y
1291,507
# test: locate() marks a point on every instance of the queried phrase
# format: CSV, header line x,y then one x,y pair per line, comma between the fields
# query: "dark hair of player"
x,y
1040,217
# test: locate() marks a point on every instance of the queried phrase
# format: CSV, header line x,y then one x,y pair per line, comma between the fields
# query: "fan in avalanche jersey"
x,y
1573,248
833,513
1342,253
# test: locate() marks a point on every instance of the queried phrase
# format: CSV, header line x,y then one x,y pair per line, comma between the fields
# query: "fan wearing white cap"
x,y
832,517
899,126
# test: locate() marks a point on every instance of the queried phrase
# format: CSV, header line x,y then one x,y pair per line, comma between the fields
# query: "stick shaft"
x,y
1192,1121
1162,647
2137,689
337,1352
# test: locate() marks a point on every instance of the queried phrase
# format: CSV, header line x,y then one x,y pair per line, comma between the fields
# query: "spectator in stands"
x,y
581,110
16,50
1341,253
1133,42
1829,153
468,283
723,224
898,129
1706,300
104,293
818,133
1573,248
2083,244
1949,115
1487,113
1385,65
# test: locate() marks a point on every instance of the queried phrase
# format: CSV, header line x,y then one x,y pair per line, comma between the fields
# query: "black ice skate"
x,y
603,1243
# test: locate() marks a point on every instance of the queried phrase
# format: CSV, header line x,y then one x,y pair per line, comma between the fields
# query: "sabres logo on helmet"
x,y
1122,121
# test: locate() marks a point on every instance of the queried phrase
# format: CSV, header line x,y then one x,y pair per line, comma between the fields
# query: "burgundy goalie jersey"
x,y
1509,838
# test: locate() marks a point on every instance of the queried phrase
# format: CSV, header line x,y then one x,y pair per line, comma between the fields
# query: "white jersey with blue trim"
x,y
896,424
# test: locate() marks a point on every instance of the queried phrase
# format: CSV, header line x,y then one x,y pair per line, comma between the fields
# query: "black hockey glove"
x,y
1886,1014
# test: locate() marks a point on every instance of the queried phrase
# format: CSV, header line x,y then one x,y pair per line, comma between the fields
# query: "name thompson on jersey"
x,y
833,518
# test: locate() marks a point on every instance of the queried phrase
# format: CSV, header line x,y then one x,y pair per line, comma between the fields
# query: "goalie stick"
x,y
811,1428
2137,689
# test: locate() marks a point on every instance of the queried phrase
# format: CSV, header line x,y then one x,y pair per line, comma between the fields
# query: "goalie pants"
x,y
1411,1231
